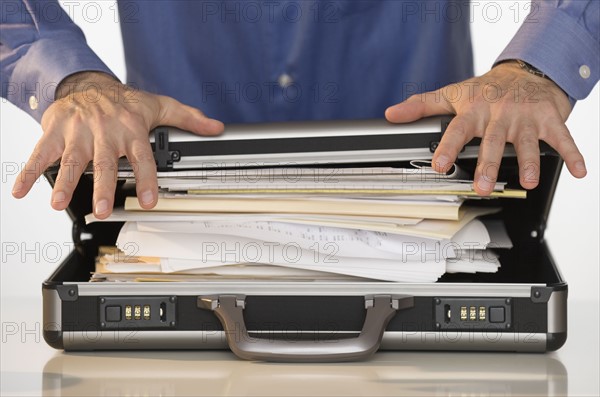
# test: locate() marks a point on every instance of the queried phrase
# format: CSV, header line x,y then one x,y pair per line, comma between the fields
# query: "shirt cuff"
x,y
44,65
556,44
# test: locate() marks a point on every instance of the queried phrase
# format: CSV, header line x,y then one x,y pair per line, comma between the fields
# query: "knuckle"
x,y
145,182
104,177
565,140
553,119
132,120
105,163
495,133
527,139
43,155
497,124
38,157
142,162
48,120
492,139
458,130
141,155
197,113
50,144
416,98
72,159
68,175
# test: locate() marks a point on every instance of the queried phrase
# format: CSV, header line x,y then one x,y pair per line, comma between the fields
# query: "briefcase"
x,y
520,308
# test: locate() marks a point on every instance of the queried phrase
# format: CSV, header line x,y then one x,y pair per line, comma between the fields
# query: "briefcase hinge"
x,y
162,155
81,236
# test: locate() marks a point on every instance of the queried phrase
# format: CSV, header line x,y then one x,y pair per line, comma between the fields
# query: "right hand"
x,y
97,118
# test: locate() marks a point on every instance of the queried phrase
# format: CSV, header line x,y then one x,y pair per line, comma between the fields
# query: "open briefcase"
x,y
317,321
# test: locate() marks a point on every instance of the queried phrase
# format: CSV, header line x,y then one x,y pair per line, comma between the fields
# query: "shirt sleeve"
x,y
39,47
562,39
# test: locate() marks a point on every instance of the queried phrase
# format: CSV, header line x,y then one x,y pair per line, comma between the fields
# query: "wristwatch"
x,y
531,69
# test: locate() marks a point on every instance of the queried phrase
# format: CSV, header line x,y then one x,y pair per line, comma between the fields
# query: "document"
x,y
120,215
193,247
324,206
319,224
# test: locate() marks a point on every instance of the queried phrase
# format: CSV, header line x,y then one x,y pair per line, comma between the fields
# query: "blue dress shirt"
x,y
248,61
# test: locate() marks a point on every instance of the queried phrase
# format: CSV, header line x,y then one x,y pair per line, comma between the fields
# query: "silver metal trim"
x,y
557,312
93,339
298,158
306,288
400,341
467,341
51,310
308,129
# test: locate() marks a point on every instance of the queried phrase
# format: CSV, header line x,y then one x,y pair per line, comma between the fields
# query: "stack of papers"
x,y
270,183
321,224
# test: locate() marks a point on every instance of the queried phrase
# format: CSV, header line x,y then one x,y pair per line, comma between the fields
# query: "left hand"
x,y
507,104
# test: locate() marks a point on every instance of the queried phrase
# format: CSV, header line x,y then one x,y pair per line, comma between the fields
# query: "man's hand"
x,y
97,118
507,104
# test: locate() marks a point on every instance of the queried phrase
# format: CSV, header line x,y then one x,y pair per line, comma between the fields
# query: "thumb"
x,y
175,114
419,106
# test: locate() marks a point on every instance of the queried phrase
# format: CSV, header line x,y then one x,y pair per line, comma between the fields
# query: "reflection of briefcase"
x,y
522,307
213,373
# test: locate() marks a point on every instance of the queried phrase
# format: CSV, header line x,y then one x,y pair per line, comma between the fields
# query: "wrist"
x,y
82,81
518,64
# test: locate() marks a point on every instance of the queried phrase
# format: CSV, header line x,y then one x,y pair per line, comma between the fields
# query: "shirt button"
x,y
585,72
285,80
33,102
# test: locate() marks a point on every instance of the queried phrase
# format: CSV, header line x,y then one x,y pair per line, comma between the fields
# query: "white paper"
x,y
120,215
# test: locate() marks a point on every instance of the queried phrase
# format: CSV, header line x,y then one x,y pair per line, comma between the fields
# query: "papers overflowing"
x,y
267,183
320,224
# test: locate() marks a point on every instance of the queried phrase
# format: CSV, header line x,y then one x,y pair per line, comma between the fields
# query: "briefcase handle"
x,y
229,310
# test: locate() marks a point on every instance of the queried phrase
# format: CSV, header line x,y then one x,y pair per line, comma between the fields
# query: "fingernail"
x,y
59,197
442,161
18,187
147,197
484,184
101,207
580,166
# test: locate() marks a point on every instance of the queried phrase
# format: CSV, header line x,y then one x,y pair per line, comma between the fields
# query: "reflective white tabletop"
x,y
30,367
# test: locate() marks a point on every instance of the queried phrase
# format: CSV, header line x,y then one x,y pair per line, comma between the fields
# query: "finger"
x,y
527,146
144,167
561,140
105,178
419,106
461,130
44,154
73,163
176,114
490,156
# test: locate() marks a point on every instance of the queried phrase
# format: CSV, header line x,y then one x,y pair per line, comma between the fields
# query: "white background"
x,y
41,236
